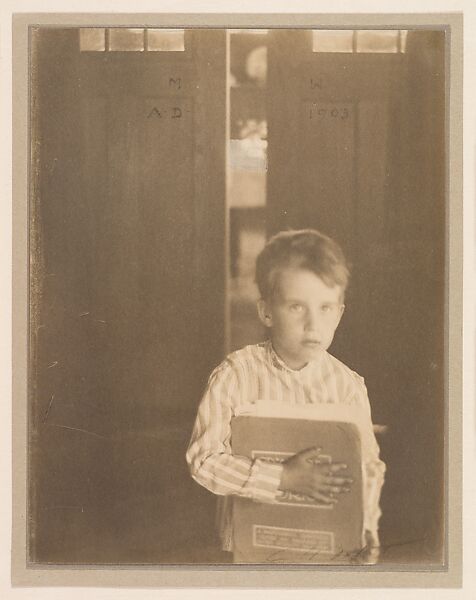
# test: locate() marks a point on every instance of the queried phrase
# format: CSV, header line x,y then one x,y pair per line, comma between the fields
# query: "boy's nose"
x,y
312,321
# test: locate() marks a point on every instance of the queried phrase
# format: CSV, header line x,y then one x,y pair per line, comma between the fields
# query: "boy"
x,y
302,277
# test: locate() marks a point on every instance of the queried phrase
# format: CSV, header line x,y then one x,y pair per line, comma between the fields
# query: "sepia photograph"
x,y
238,297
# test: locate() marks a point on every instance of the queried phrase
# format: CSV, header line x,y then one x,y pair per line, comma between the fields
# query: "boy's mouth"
x,y
312,343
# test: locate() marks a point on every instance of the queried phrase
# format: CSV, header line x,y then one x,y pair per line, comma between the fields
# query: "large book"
x,y
294,528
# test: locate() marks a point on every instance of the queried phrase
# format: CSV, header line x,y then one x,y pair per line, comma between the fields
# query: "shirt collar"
x,y
279,363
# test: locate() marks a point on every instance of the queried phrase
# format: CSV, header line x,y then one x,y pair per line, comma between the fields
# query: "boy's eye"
x,y
296,307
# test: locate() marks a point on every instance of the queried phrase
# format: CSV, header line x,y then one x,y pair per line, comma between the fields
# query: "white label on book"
x,y
303,540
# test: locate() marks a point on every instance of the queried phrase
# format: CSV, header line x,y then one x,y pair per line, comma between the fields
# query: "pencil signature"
x,y
354,556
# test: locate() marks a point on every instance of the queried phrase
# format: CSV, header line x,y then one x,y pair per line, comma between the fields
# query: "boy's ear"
x,y
264,313
341,312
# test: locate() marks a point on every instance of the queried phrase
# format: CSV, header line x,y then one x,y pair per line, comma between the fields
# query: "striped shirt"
x,y
253,374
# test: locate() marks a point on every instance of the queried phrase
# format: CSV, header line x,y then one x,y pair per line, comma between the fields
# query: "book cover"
x,y
295,528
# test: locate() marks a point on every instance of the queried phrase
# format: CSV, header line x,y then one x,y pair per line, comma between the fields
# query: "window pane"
x,y
332,41
377,41
248,154
166,40
93,38
257,65
249,31
126,39
247,189
403,41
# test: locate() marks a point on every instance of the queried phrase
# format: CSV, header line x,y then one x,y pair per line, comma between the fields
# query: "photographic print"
x,y
238,295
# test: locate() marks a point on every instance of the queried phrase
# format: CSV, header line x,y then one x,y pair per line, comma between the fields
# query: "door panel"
x,y
326,184
127,240
356,150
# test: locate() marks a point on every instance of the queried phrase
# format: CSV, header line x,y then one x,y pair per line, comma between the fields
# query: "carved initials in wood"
x,y
175,82
154,111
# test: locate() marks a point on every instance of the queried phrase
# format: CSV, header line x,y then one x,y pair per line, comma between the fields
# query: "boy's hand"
x,y
302,474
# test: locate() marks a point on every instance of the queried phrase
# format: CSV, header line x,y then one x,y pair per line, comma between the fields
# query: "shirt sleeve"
x,y
373,467
209,454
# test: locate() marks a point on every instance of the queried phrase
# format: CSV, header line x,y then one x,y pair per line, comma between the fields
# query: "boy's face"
x,y
302,315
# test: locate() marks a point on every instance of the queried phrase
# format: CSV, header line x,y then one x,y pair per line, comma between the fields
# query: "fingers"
x,y
330,484
327,494
331,489
341,481
310,453
337,489
327,477
335,467
323,498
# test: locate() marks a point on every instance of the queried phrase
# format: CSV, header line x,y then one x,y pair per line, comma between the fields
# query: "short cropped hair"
x,y
301,249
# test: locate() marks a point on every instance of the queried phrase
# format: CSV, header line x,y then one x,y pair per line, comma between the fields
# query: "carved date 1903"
x,y
317,111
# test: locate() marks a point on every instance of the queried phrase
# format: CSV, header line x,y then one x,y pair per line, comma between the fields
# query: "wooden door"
x,y
127,290
356,150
